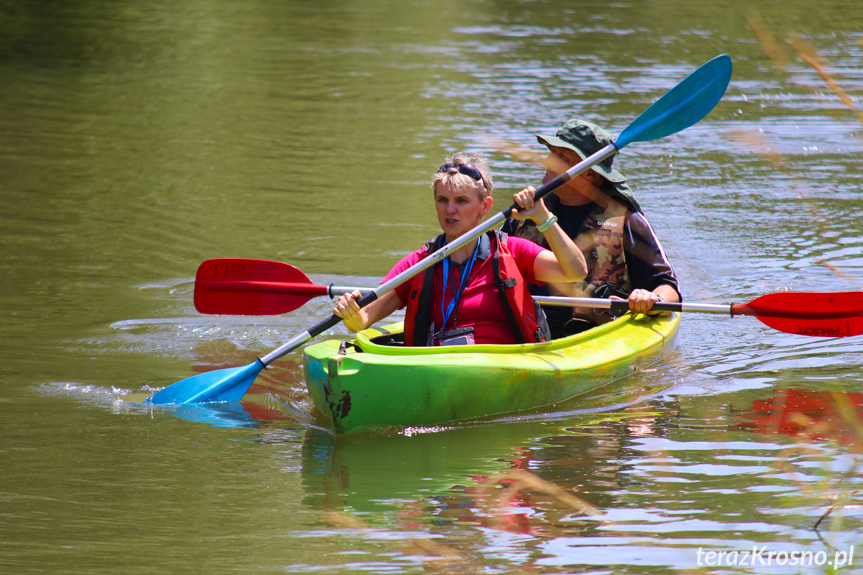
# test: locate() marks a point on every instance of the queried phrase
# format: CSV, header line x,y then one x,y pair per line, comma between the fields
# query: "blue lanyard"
x,y
457,295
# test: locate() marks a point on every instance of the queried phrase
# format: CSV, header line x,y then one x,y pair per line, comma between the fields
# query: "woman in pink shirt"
x,y
466,298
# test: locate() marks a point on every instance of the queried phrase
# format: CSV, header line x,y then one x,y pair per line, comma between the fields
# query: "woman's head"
x,y
464,172
462,193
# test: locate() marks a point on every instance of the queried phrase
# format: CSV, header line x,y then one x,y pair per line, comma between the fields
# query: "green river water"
x,y
138,139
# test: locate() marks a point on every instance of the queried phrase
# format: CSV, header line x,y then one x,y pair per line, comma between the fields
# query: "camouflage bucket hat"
x,y
585,139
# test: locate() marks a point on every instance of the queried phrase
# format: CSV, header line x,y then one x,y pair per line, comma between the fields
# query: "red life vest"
x,y
521,310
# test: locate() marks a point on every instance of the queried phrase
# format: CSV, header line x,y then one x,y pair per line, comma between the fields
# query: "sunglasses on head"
x,y
465,169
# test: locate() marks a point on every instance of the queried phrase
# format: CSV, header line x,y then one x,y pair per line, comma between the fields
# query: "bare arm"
x,y
565,262
357,318
641,300
646,253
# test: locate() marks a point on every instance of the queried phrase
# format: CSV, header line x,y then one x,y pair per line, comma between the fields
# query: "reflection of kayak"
x,y
372,473
368,384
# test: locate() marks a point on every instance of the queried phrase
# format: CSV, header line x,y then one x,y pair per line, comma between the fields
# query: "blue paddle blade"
x,y
683,105
214,386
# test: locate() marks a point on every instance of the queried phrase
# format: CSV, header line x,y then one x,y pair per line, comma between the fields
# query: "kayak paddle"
x,y
247,289
684,105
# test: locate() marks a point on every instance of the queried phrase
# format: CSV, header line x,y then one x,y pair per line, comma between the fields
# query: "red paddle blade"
x,y
235,286
837,314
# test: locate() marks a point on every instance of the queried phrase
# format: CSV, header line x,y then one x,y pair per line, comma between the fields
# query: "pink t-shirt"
x,y
480,305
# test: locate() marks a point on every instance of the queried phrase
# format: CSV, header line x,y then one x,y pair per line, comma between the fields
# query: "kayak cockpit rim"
x,y
365,339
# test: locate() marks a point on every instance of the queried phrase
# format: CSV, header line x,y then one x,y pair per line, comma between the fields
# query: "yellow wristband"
x,y
546,225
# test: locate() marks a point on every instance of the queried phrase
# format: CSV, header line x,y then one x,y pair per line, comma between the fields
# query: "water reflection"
x,y
231,414
809,416
653,482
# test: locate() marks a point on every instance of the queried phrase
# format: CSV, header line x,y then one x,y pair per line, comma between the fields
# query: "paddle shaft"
x,y
662,306
597,303
440,254
623,305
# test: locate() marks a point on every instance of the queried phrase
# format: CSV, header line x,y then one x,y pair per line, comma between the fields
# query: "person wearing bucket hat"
x,y
598,210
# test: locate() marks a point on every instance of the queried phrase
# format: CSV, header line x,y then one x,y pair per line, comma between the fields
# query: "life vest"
x,y
521,311
600,239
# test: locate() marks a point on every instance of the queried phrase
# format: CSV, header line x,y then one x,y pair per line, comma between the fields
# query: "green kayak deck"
x,y
368,384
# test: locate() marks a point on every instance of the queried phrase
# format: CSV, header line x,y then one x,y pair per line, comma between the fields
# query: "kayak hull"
x,y
367,385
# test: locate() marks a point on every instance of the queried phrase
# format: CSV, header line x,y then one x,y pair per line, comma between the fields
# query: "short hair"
x,y
462,182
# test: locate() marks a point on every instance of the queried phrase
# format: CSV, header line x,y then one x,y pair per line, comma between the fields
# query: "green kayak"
x,y
368,382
